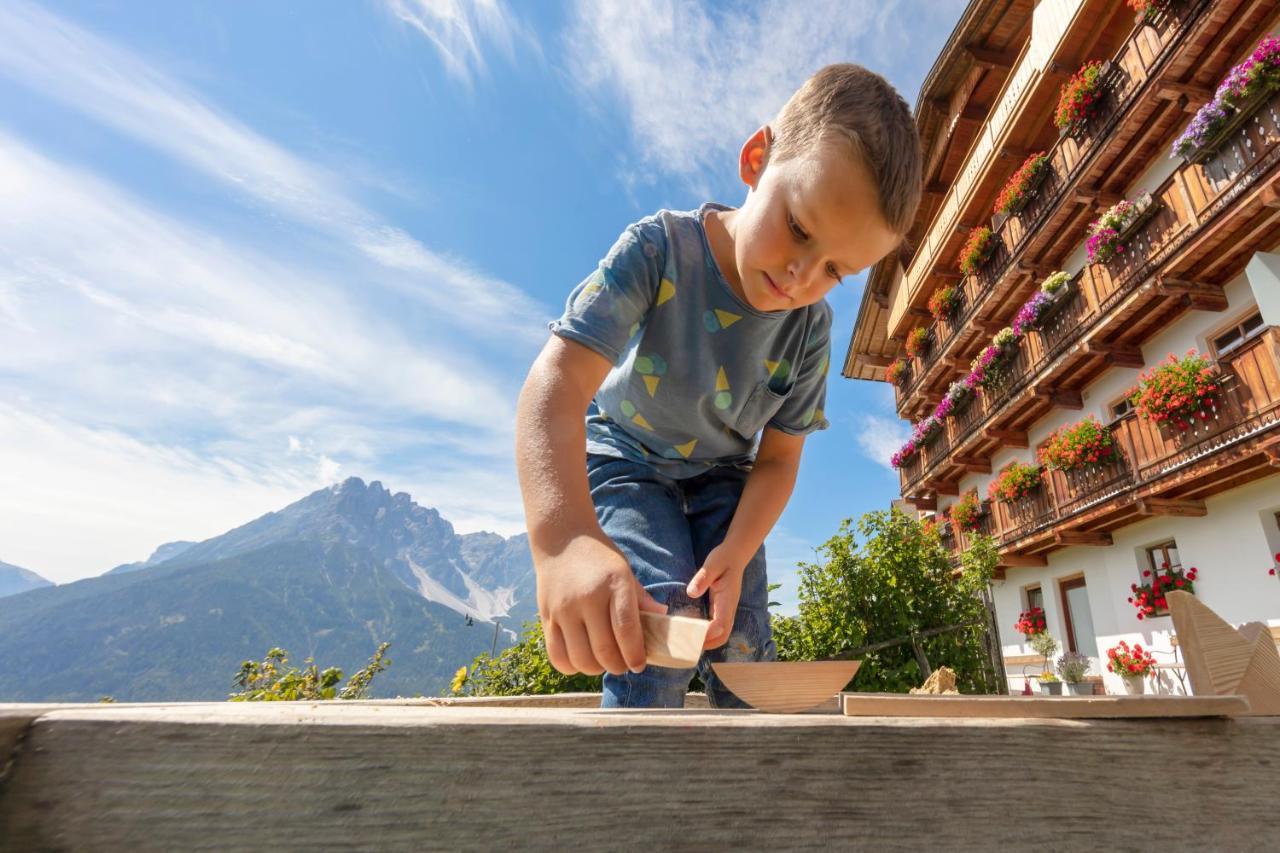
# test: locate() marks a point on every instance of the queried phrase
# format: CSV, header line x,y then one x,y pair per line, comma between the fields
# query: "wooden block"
x,y
873,359
1011,437
786,687
674,641
1080,537
1055,707
1222,660
1029,561
973,464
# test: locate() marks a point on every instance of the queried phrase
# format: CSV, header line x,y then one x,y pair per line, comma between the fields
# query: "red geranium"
x,y
975,250
1130,662
1177,391
1030,622
965,511
1077,445
1080,97
917,341
1015,482
1017,189
1149,598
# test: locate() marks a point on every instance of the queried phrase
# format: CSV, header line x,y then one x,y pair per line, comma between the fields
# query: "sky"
x,y
249,250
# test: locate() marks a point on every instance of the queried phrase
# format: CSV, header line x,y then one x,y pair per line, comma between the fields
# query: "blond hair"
x,y
846,101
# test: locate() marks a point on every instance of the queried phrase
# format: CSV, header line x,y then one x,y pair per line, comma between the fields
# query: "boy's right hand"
x,y
590,604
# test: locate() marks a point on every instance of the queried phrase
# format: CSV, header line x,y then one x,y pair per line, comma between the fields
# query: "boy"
x,y
698,333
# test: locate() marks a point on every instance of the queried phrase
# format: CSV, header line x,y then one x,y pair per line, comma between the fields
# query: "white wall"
x,y
1232,546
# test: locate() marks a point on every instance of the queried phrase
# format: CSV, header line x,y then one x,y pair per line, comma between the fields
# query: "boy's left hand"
x,y
721,573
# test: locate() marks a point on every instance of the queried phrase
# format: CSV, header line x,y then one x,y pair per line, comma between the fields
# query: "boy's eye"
x,y
796,229
833,272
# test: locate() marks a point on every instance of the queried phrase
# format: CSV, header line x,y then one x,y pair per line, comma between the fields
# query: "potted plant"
x,y
1132,664
1149,598
944,302
965,512
977,249
917,341
1150,10
1244,89
1176,393
1111,232
1272,570
1045,646
1080,99
1015,483
1080,445
1022,185
1073,667
897,371
904,454
1030,622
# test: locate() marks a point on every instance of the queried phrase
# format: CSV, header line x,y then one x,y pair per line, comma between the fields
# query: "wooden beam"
x,y
1010,437
963,228
1171,506
990,326
921,502
1270,196
990,57
973,464
1013,152
1196,95
881,299
936,187
1061,399
873,360
950,273
916,311
944,487
1199,295
1079,537
1027,561
1120,356
1096,195
974,112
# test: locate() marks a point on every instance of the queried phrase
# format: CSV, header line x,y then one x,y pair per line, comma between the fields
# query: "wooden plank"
x,y
1010,437
1028,561
1172,506
1048,707
1079,537
295,775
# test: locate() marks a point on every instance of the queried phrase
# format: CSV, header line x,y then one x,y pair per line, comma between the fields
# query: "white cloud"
x,y
455,28
880,437
64,62
695,82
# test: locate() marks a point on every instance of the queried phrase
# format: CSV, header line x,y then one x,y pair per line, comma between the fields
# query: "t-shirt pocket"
x,y
760,407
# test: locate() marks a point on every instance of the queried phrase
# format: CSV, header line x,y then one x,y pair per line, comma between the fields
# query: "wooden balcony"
x,y
1164,69
1208,221
1159,471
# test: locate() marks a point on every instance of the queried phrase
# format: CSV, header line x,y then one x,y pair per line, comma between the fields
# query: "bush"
x,y
899,581
521,670
271,681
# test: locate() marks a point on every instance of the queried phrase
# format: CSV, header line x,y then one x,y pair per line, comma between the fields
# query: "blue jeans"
x,y
666,528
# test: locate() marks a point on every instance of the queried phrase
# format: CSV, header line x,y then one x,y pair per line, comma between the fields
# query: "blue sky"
x,y
249,249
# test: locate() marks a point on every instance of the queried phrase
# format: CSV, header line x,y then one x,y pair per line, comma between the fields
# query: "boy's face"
x,y
808,221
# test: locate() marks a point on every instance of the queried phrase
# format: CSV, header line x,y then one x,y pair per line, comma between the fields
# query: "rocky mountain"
x,y
15,579
329,576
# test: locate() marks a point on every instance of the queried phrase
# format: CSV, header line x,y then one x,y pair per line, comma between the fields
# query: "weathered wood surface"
x,y
1041,707
413,776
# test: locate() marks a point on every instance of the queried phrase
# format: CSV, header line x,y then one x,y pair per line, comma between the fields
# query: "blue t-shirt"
x,y
697,372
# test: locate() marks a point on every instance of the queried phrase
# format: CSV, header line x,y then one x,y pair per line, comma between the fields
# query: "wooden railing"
x,y
1247,404
1190,201
1139,59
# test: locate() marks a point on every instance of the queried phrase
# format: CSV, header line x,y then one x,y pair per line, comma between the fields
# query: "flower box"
x,y
946,301
1112,231
1174,394
965,512
1085,444
977,250
1149,598
1022,185
1229,125
1081,99
1015,483
918,341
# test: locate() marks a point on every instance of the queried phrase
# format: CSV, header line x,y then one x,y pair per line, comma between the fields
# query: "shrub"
x,y
1077,445
272,681
1177,391
1015,482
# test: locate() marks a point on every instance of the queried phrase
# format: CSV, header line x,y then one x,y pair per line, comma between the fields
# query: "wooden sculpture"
x,y
786,687
1223,660
674,641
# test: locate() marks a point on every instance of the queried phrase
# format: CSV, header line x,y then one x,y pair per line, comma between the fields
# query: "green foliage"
x,y
521,670
898,582
272,681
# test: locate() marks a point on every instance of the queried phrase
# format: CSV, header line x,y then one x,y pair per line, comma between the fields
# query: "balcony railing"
x,y
1247,405
1190,202
1139,59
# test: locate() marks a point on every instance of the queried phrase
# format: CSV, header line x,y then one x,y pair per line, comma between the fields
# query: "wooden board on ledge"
x,y
1033,707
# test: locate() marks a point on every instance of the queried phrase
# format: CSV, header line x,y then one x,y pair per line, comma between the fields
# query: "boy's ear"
x,y
754,156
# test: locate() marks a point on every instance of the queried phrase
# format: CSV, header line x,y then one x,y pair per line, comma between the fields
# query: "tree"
x,y
272,681
897,584
520,670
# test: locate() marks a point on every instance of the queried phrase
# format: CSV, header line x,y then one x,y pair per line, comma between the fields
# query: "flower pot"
x,y
1080,688
1242,114
1135,686
1051,688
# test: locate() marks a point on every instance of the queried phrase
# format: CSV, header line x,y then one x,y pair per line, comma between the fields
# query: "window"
x,y
1035,597
1238,335
1078,617
1158,555
1122,408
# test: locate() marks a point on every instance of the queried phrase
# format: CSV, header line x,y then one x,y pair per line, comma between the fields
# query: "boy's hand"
x,y
590,604
721,573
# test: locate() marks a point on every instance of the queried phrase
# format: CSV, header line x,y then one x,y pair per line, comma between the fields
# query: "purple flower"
x,y
1029,314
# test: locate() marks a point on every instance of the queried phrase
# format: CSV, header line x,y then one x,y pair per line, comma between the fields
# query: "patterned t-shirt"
x,y
697,372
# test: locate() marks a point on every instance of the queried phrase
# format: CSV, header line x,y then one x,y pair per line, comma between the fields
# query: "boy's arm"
x,y
588,597
765,495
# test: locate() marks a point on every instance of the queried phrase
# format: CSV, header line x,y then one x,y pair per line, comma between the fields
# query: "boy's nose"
x,y
799,271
